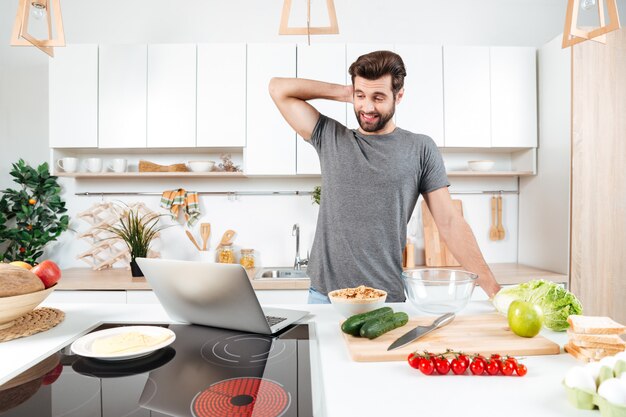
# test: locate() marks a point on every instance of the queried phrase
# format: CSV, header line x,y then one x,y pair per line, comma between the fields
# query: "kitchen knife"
x,y
420,331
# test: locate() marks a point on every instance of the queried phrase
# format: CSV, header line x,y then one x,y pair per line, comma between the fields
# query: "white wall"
x,y
23,86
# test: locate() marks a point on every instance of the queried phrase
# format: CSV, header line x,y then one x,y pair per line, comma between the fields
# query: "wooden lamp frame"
x,y
572,35
20,35
308,30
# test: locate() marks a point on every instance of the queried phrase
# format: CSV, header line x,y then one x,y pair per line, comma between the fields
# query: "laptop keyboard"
x,y
271,320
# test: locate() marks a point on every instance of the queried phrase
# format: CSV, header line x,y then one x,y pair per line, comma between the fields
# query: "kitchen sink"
x,y
283,273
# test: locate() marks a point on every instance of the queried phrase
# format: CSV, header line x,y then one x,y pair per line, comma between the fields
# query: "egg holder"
x,y
586,400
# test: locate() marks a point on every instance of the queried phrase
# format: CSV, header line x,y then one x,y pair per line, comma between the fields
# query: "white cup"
x,y
68,164
118,165
94,164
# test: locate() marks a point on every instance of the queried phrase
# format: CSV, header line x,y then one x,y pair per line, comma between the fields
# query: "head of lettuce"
x,y
555,302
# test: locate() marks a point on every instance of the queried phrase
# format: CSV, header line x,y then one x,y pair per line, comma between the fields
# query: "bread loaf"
x,y
17,281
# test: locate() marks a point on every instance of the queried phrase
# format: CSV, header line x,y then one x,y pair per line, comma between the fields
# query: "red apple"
x,y
48,272
53,375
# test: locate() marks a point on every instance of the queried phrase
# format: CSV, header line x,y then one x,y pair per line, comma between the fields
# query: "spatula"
x,y
493,230
501,232
205,231
193,239
226,238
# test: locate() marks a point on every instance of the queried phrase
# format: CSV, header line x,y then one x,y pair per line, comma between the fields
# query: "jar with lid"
x,y
226,255
247,258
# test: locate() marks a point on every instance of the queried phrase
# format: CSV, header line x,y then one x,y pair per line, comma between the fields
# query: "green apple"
x,y
525,319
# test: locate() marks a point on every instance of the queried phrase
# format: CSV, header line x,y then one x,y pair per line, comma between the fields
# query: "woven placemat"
x,y
36,321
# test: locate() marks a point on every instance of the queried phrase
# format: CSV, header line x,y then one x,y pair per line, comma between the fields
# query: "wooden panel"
x,y
221,95
436,252
484,334
122,96
598,230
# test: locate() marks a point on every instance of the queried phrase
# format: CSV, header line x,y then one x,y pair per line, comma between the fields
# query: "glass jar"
x,y
247,258
226,255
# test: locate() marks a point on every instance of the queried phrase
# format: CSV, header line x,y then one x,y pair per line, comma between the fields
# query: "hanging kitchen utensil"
x,y
193,239
493,230
226,238
435,250
501,233
205,231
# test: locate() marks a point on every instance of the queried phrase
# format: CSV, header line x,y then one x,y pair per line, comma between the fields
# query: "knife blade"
x,y
420,331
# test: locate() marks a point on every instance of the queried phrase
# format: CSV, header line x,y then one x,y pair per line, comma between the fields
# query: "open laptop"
x,y
212,294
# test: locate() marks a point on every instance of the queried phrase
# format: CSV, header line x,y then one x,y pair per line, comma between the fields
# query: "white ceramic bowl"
x,y
18,305
350,306
438,291
201,166
484,165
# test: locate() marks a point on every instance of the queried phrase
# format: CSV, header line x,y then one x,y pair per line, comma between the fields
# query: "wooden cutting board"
x,y
484,334
436,252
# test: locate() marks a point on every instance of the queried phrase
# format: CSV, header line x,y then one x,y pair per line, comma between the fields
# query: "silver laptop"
x,y
211,294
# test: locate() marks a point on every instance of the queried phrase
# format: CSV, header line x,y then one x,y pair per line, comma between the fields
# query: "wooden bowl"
x,y
16,306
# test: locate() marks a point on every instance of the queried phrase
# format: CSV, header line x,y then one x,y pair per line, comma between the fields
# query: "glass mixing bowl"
x,y
438,291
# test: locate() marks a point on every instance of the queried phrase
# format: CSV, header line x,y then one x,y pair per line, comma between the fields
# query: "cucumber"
x,y
354,323
376,327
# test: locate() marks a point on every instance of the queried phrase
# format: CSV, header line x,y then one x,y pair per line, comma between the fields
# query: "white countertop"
x,y
351,388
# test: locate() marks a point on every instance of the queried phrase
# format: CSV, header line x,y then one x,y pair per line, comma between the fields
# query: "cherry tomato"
x,y
414,360
477,366
498,363
426,366
508,368
521,369
492,367
457,366
512,360
442,366
465,360
495,356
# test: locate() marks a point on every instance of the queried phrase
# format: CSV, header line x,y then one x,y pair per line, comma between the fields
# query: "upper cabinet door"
x,y
322,62
172,96
271,142
467,101
73,97
421,108
221,111
353,52
122,96
513,97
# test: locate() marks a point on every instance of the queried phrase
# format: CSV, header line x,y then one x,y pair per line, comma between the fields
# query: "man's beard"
x,y
380,121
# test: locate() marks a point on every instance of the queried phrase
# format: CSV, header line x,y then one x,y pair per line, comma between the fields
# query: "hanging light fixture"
x,y
308,30
48,11
572,34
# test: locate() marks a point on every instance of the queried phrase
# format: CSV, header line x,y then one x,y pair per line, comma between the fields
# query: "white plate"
x,y
82,346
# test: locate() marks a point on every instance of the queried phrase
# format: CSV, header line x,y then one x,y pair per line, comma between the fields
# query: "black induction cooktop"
x,y
205,372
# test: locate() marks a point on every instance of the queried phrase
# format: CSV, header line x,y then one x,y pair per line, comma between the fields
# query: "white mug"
x,y
68,164
94,164
118,165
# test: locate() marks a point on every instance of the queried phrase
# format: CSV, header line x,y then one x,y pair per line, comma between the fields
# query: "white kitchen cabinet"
x,y
513,97
323,62
122,96
73,97
353,52
271,142
171,96
467,101
421,108
221,113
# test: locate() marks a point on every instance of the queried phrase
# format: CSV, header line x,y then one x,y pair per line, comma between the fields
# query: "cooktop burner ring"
x,y
243,350
242,397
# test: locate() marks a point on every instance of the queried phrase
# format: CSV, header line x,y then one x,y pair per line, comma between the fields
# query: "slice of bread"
x,y
594,325
587,354
612,349
604,339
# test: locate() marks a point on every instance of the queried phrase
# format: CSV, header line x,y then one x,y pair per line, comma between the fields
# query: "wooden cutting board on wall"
x,y
436,252
484,334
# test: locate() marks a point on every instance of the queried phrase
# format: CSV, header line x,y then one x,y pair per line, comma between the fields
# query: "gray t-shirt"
x,y
370,184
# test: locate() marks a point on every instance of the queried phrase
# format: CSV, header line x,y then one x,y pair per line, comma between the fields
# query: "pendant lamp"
x,y
572,34
308,30
48,11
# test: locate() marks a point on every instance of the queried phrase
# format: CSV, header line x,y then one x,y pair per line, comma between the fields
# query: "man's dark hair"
x,y
377,64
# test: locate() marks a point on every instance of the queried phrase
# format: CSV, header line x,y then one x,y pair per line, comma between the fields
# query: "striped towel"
x,y
172,200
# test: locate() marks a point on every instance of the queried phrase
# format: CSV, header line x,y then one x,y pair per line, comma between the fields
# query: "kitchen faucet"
x,y
298,263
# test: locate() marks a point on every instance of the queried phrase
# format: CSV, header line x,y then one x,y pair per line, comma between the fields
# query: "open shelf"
x,y
126,175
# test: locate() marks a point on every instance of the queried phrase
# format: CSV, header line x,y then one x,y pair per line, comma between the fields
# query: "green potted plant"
x,y
32,215
137,231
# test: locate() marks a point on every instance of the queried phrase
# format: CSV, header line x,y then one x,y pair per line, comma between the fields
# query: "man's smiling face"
x,y
374,103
